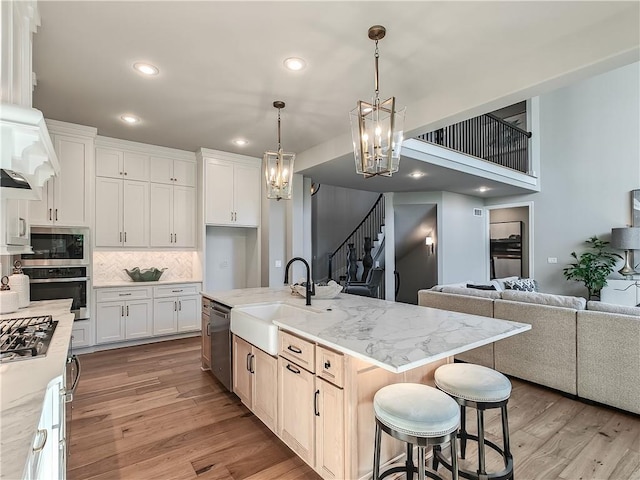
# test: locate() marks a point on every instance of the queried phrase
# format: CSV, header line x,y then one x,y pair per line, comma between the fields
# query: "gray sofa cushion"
x,y
577,303
473,292
612,308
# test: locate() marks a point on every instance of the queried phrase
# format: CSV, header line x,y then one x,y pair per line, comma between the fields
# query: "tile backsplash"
x,y
109,266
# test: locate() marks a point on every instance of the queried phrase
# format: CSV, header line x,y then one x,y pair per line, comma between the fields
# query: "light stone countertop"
x,y
131,283
395,336
23,385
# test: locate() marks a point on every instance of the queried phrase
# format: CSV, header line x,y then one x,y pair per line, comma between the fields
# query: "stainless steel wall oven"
x,y
59,267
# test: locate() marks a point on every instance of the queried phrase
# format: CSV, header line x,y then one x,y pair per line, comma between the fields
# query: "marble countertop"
x,y
23,386
131,283
391,335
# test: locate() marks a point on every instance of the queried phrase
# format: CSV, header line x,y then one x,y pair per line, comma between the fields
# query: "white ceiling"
x,y
221,66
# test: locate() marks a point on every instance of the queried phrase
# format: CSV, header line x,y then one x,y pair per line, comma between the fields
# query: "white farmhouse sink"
x,y
254,323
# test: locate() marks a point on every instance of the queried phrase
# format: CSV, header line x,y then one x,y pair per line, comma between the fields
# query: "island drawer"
x,y
298,350
121,294
330,365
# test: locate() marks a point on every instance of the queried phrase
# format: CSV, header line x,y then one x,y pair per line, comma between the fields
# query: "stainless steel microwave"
x,y
58,247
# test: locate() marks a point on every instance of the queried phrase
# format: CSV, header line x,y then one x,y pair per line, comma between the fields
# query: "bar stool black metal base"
x,y
464,436
409,468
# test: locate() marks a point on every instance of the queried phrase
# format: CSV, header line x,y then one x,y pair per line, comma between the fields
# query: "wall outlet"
x,y
278,264
552,260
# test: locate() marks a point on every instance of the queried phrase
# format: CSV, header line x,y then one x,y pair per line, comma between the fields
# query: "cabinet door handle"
x,y
180,305
125,173
294,349
127,310
175,238
231,217
125,233
50,211
122,311
248,362
175,306
56,214
120,173
208,332
43,440
316,410
120,237
235,216
252,363
293,369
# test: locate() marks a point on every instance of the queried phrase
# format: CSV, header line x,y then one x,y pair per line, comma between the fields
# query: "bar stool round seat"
x,y
418,415
481,388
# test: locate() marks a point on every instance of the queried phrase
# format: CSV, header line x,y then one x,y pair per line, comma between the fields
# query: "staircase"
x,y
371,226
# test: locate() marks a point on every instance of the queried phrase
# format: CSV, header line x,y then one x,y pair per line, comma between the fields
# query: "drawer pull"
x,y
124,294
294,349
178,291
327,364
43,440
293,369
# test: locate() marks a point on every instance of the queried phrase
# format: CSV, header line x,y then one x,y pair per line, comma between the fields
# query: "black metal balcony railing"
x,y
487,137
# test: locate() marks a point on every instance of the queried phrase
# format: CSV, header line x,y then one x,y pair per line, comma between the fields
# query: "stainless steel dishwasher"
x,y
220,321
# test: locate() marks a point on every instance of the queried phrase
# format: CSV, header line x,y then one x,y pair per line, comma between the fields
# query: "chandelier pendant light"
x,y
278,167
377,127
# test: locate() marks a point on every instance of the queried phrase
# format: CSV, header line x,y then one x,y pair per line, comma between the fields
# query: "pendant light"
x,y
278,167
377,127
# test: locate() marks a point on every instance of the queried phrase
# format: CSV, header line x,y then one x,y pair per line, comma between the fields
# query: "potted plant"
x,y
592,267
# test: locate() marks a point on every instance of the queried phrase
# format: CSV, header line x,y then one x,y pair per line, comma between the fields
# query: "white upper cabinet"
x,y
65,197
232,190
116,163
122,213
173,171
172,216
155,204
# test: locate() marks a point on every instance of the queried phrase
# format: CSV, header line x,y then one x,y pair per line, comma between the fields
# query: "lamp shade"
x,y
627,238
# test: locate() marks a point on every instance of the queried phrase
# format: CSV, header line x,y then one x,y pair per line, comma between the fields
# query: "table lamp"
x,y
627,238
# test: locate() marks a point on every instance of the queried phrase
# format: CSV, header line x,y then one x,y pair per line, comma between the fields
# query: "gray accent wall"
x,y
589,148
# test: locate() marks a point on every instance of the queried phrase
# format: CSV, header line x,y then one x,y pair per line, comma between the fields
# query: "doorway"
x,y
510,246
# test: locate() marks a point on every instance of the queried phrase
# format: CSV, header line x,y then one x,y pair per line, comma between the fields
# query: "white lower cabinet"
x,y
255,375
123,314
47,458
81,333
176,309
142,312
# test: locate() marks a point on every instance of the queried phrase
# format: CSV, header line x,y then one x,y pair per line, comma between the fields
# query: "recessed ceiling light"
x,y
417,174
130,119
483,189
295,64
146,68
240,142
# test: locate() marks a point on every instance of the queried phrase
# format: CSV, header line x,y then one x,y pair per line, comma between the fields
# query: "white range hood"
x,y
26,148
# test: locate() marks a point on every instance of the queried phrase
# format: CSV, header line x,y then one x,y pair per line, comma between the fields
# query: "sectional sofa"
x,y
588,349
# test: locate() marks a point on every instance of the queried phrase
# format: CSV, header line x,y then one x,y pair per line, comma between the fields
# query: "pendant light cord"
x,y
279,146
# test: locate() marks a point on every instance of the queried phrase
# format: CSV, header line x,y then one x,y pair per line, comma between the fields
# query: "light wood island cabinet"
x,y
255,380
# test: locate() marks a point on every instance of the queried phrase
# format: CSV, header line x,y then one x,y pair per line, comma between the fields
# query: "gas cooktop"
x,y
26,337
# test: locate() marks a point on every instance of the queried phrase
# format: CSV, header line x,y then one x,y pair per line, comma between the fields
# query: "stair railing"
x,y
370,226
487,137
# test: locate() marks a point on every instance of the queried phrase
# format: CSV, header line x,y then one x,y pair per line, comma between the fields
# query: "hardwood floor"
x,y
150,412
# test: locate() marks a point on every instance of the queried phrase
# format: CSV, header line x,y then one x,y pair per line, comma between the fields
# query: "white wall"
x,y
589,142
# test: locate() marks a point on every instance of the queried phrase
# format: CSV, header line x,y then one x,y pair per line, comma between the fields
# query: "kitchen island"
x,y
333,357
23,386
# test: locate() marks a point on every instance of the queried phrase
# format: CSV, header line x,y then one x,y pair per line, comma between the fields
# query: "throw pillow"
x,y
523,284
481,287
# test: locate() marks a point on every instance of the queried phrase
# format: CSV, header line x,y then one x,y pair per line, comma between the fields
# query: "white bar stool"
x,y
481,388
418,415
